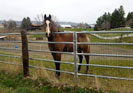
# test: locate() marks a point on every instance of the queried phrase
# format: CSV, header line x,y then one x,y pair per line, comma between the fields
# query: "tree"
x,y
103,22
129,19
96,28
114,20
11,24
131,23
39,19
117,18
122,18
129,16
26,23
106,25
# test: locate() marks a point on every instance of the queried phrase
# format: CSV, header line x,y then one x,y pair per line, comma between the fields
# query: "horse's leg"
x,y
80,59
87,62
57,57
87,50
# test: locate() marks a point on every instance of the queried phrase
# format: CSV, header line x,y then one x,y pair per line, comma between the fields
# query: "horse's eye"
x,y
49,24
45,24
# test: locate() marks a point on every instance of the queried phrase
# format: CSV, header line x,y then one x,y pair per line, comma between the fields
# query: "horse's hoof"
x,y
58,77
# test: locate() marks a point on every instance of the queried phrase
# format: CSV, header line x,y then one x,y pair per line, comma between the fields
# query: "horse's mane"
x,y
57,26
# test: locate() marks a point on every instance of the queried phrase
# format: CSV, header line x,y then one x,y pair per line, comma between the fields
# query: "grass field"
x,y
38,78
99,84
15,83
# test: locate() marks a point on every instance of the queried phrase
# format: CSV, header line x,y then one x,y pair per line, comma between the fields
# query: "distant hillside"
x,y
35,22
60,23
1,22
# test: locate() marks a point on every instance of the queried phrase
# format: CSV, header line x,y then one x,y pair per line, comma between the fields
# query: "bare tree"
x,y
39,19
54,18
10,24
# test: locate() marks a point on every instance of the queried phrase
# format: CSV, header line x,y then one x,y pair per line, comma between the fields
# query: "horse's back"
x,y
83,38
80,38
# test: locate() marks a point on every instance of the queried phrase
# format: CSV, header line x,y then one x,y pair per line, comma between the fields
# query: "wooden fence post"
x,y
25,54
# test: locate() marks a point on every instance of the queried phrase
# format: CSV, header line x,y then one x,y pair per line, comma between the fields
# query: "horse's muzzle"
x,y
48,34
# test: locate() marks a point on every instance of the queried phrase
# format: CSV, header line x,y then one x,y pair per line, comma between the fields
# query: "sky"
x,y
65,10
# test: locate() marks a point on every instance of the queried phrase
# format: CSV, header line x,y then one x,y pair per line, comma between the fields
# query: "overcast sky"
x,y
65,10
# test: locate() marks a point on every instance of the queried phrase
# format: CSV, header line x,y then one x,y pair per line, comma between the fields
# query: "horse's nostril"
x,y
46,34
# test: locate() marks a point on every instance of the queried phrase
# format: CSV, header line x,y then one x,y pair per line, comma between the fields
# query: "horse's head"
x,y
48,25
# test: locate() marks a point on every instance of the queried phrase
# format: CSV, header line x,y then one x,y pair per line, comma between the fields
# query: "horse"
x,y
49,28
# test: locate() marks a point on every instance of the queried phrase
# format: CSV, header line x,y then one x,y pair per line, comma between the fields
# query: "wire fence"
x,y
74,53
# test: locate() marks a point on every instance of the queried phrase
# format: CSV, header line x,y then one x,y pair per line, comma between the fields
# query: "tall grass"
x,y
67,80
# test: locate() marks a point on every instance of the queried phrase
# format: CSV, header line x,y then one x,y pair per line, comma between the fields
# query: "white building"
x,y
66,26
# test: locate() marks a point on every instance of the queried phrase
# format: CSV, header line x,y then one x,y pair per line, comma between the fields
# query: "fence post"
x,y
25,54
75,58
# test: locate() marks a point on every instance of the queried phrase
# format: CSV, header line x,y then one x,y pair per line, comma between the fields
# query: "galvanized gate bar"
x,y
10,41
46,42
49,69
10,56
10,63
106,77
75,58
106,55
9,34
102,32
98,43
106,66
71,53
47,51
2,48
45,60
70,32
80,43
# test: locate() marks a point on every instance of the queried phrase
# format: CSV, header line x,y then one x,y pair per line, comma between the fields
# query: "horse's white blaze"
x,y
47,28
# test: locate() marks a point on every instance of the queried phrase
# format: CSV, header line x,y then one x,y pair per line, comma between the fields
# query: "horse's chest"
x,y
68,48
56,47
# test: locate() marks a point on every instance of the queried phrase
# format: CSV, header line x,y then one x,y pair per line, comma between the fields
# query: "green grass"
x,y
76,29
123,29
34,36
31,85
123,40
10,83
93,70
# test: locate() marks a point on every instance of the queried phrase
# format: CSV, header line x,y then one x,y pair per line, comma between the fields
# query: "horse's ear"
x,y
45,16
49,16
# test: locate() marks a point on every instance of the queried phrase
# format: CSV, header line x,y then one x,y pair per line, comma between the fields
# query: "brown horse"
x,y
50,27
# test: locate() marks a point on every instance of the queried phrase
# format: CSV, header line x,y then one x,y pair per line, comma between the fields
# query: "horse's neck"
x,y
51,38
54,36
